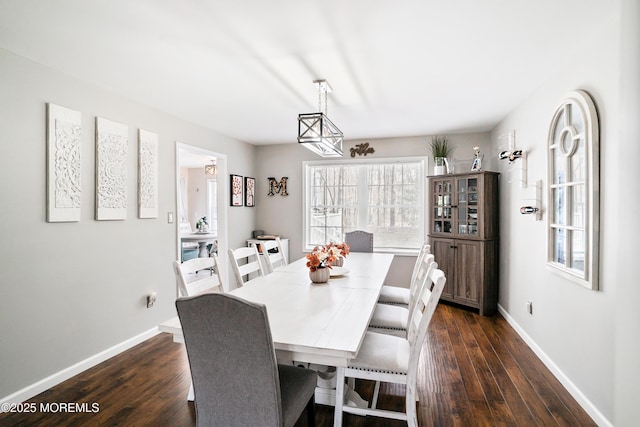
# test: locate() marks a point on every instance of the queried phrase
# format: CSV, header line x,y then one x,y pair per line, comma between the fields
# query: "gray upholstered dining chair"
x,y
359,241
236,379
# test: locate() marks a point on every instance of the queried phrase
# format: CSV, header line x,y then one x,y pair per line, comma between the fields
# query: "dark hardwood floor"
x,y
475,371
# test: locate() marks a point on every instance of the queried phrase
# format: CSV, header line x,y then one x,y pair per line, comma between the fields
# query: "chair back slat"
x,y
273,254
425,249
198,275
422,278
422,314
251,266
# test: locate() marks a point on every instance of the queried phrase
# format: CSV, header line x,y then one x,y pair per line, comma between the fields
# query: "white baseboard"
x,y
55,379
582,400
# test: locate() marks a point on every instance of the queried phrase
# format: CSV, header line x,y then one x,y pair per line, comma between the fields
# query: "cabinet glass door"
x,y
468,206
442,209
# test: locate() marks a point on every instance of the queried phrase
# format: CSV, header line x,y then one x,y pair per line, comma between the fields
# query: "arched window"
x,y
573,198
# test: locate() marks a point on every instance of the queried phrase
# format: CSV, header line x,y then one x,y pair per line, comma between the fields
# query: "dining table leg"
x,y
337,417
203,252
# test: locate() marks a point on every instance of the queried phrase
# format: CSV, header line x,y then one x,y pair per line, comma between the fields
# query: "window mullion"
x,y
363,197
568,213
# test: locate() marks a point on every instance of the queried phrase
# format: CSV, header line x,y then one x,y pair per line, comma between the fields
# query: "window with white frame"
x,y
573,198
384,196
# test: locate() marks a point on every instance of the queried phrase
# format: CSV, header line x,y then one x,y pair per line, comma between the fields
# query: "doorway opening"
x,y
201,194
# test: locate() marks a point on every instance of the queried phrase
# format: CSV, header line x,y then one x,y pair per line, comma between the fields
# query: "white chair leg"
x,y
191,396
412,418
410,407
376,392
337,417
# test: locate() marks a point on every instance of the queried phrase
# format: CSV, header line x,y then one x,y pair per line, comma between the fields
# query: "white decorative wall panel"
x,y
147,174
112,143
63,164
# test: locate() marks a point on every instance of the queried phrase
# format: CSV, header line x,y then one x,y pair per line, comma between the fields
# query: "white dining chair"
x,y
359,241
392,359
393,318
252,266
198,275
400,295
273,254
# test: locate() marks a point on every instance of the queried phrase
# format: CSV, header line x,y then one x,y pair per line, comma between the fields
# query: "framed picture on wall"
x,y
249,191
236,190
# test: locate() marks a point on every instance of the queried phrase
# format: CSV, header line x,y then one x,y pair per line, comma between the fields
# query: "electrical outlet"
x,y
529,307
151,299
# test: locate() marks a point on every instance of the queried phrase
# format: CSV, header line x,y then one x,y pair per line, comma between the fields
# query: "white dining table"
x,y
202,239
322,324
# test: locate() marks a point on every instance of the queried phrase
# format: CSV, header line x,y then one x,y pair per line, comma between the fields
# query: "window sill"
x,y
399,252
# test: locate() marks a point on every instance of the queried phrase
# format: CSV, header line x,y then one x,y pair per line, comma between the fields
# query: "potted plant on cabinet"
x,y
440,149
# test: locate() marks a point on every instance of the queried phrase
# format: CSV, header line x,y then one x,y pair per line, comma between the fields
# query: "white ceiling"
x,y
245,67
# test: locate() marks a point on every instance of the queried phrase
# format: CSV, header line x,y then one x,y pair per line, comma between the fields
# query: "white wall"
x,y
72,290
627,205
572,325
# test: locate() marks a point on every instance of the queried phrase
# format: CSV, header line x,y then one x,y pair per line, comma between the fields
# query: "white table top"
x,y
316,323
197,237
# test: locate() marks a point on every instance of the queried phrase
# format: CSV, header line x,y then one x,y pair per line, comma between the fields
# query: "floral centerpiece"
x,y
339,252
202,225
319,257
319,262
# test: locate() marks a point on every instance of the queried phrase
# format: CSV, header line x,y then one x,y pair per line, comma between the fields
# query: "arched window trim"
x,y
576,102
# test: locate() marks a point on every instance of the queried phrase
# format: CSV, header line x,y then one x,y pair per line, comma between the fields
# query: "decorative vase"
x,y
338,262
321,275
440,166
477,163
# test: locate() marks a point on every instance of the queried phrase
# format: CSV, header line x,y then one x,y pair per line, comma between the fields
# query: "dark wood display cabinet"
x,y
464,237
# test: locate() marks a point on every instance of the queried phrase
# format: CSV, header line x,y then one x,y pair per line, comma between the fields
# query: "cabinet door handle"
x,y
454,206
453,247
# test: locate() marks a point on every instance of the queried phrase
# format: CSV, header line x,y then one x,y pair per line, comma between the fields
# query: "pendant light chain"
x,y
320,90
325,101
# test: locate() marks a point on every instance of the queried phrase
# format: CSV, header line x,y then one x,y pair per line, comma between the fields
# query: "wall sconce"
x,y
535,208
511,155
528,210
210,169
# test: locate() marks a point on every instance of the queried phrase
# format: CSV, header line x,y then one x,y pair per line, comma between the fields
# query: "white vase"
x,y
321,275
440,166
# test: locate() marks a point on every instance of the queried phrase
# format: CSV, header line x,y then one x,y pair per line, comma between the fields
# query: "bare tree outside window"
x,y
385,197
